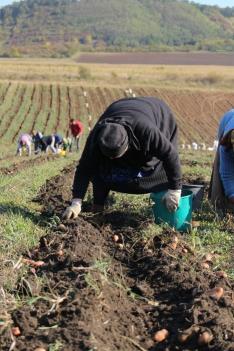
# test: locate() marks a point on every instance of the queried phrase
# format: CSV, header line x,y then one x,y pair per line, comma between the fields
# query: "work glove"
x,y
171,199
73,210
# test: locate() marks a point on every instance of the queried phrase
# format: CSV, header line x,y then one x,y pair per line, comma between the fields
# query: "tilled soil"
x,y
159,58
25,163
103,287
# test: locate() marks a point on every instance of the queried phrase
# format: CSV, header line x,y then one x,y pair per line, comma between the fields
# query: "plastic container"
x,y
181,218
61,152
198,194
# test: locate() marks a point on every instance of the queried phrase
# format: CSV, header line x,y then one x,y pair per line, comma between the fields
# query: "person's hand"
x,y
74,210
171,199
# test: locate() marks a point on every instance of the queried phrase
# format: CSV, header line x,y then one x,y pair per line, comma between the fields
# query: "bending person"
x,y
25,140
132,149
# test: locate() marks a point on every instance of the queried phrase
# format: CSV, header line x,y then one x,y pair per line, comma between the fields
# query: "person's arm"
x,y
160,147
226,171
85,169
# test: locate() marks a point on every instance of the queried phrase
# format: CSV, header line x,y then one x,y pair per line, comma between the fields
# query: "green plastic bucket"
x,y
181,218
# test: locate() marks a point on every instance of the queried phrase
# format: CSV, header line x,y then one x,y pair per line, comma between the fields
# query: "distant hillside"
x,y
62,27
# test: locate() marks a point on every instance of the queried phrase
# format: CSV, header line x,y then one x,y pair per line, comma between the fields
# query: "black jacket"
x,y
152,132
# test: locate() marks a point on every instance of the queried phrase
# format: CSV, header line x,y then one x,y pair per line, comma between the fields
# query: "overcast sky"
x,y
221,3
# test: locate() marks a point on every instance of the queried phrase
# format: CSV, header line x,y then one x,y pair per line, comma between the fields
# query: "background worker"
x,y
67,144
222,180
25,140
132,149
58,141
77,129
36,138
46,143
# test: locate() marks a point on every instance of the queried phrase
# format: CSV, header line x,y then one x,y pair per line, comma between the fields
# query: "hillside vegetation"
x,y
63,27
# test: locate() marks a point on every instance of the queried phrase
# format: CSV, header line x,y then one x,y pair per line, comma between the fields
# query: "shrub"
x,y
84,73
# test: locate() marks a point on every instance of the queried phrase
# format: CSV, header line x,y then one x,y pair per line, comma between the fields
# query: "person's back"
x,y
36,138
131,149
24,140
145,111
58,139
76,127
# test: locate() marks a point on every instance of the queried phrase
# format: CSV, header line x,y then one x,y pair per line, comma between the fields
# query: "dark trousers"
x,y
156,182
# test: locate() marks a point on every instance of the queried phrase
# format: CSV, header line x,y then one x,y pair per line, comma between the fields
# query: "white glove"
x,y
74,210
171,199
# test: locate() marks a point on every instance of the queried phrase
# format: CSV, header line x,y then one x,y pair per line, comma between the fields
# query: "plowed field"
x,y
159,58
48,108
99,294
107,282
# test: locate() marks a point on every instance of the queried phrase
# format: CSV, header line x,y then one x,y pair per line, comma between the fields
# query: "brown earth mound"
x,y
159,58
108,295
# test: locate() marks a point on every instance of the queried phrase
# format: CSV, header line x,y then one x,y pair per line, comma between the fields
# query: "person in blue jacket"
x,y
48,142
222,181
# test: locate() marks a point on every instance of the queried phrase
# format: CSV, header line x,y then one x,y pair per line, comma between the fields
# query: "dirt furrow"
x,y
27,114
109,295
50,108
40,104
12,116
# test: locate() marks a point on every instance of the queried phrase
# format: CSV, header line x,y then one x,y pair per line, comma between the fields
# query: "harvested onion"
x,y
205,338
161,335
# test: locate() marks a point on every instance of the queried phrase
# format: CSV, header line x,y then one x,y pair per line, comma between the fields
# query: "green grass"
x,y
20,218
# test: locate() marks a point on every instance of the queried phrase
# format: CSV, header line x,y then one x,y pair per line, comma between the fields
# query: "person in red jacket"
x,y
76,128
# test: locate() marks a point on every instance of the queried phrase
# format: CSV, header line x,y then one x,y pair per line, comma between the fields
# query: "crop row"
x,y
48,108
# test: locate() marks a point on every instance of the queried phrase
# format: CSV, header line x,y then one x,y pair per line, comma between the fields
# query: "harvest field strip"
x,y
43,110
26,113
37,107
92,291
49,108
68,72
4,91
11,113
70,302
6,104
158,58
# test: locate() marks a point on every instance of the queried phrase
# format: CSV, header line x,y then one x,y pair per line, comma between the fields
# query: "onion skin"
x,y
216,293
16,331
205,265
161,335
32,263
115,238
221,274
187,334
205,338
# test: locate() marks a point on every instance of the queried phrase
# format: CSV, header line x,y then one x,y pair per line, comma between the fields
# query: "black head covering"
x,y
112,140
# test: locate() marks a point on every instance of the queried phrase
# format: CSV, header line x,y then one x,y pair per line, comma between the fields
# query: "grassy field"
x,y
67,71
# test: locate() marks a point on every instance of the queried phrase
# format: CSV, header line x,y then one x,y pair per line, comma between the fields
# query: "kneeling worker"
x,y
132,149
